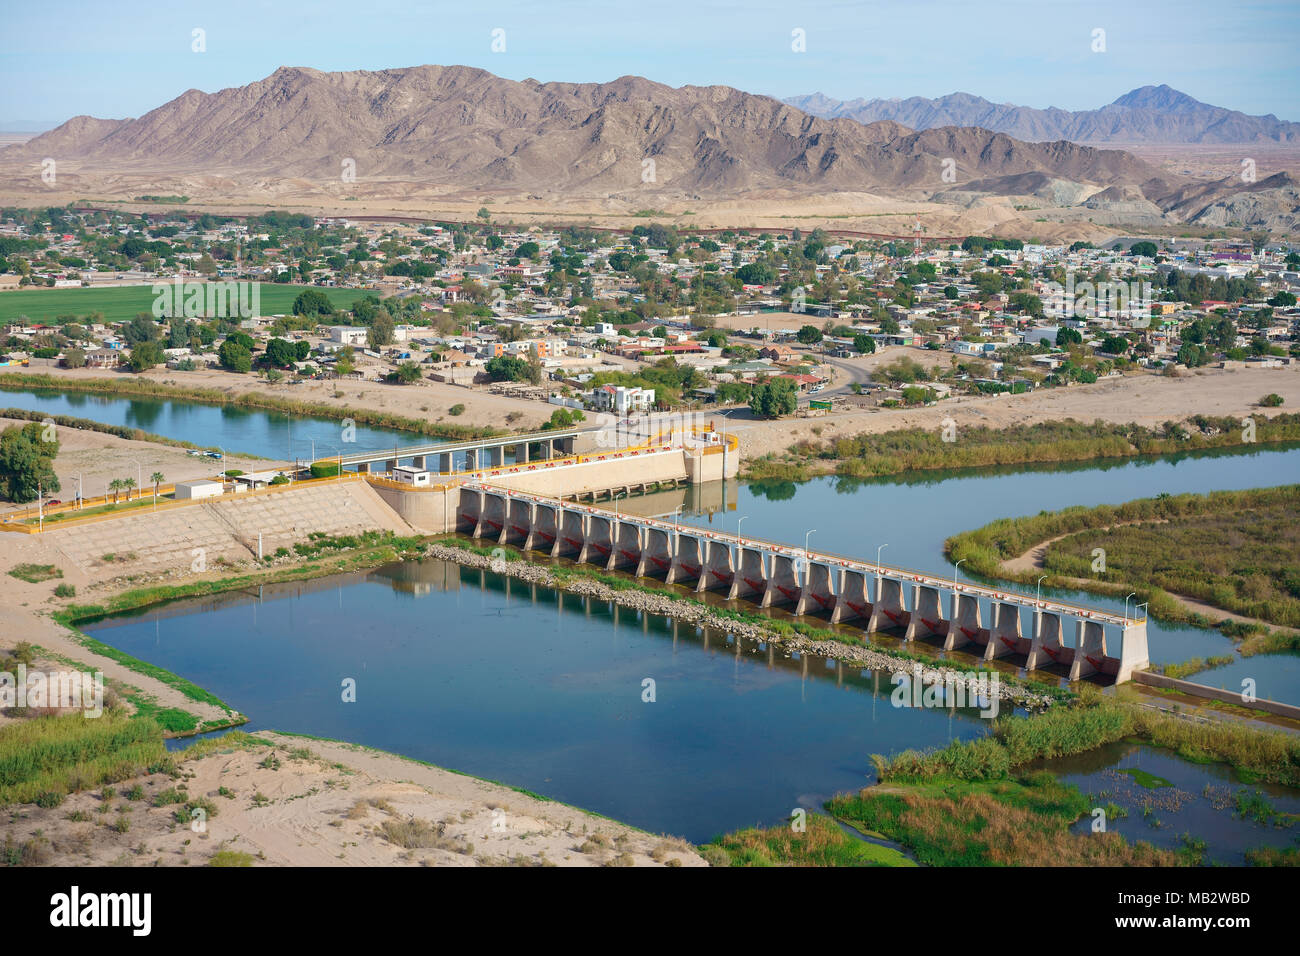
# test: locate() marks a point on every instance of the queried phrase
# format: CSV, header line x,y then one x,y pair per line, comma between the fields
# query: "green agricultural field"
x,y
122,302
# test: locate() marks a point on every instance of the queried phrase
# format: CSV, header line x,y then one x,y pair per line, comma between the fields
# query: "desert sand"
x,y
288,801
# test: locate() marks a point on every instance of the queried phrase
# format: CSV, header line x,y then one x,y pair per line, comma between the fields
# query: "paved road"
x,y
853,373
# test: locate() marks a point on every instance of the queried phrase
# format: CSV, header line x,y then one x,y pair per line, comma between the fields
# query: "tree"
x,y
1192,355
773,398
142,328
507,368
234,357
890,326
864,344
407,372
1115,344
157,479
950,292
1147,249
1283,299
1066,336
145,356
128,484
753,273
381,331
281,352
312,302
74,358
1026,302
26,463
115,486
809,335
344,364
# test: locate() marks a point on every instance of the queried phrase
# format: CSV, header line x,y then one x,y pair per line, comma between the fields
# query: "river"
x,y
253,431
471,671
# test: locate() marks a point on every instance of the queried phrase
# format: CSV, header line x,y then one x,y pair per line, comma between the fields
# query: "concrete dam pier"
x,y
991,622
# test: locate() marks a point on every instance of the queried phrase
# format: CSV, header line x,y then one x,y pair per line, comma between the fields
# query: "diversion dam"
x,y
524,503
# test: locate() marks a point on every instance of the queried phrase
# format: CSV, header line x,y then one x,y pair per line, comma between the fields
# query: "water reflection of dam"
x,y
845,675
419,578
713,498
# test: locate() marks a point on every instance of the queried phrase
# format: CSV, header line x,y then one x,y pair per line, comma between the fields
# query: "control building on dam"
x,y
537,506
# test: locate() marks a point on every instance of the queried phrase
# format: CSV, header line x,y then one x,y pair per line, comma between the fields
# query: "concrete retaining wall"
x,y
1215,693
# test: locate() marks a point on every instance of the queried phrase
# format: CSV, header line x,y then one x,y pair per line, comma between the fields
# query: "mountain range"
x,y
1150,114
463,126
457,133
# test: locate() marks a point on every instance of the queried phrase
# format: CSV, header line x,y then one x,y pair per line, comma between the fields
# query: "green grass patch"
x,y
121,303
1022,821
35,573
1013,742
1146,780
821,843
1186,544
61,755
230,858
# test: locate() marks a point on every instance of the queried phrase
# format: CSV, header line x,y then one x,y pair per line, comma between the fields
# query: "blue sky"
x,y
124,58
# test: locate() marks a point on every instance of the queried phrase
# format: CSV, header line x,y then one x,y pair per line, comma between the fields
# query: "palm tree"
x,y
115,486
128,484
157,479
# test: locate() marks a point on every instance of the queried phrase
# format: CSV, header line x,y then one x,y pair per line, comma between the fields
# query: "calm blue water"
x,y
915,517
521,688
253,431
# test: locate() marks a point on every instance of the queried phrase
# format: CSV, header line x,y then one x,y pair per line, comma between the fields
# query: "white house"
x,y
348,334
620,399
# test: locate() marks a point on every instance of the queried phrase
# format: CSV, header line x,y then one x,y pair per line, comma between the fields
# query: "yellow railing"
x,y
169,505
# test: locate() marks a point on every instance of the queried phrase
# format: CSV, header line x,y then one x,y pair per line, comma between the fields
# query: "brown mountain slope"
x,y
465,127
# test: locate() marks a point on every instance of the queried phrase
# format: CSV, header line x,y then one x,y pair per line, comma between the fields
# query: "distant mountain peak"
x,y
1148,114
1162,97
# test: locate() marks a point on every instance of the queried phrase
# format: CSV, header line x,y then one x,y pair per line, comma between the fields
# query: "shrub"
x,y
1272,400
35,573
65,591
324,469
230,858
457,409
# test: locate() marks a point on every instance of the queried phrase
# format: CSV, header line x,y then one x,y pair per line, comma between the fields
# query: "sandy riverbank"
x,y
290,801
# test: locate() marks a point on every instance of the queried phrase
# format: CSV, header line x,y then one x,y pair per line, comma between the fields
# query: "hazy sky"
x,y
126,57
